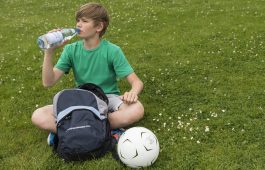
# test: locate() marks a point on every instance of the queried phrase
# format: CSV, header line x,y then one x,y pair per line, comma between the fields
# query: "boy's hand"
x,y
129,97
52,49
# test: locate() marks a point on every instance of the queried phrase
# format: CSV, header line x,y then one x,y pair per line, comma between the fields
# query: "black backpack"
x,y
83,129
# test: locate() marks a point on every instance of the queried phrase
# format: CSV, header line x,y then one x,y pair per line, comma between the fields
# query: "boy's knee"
x,y
140,109
138,113
39,116
36,116
44,119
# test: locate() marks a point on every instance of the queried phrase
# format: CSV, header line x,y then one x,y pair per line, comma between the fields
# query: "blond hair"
x,y
96,12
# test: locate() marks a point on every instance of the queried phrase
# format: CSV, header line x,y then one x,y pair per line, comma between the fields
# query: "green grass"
x,y
202,63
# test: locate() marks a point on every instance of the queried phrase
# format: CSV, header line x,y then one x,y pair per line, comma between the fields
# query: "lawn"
x,y
202,63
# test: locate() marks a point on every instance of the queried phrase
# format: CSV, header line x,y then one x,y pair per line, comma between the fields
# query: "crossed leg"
x,y
44,118
126,115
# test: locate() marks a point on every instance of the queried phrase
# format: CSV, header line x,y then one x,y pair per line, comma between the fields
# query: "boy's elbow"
x,y
142,85
47,84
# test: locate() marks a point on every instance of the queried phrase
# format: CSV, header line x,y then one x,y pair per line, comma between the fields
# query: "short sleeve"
x,y
121,65
64,62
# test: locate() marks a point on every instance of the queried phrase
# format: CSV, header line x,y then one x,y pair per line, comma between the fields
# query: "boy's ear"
x,y
100,26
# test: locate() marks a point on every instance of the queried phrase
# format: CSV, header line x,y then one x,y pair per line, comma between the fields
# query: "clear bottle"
x,y
51,39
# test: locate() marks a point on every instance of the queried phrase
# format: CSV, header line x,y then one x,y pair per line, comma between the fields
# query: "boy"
x,y
97,61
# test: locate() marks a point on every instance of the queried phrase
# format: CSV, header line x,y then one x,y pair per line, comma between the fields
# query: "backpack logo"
x,y
79,127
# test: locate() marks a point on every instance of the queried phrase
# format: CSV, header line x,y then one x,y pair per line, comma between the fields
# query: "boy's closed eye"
x,y
84,20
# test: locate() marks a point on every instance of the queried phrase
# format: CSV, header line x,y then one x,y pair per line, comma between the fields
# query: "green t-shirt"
x,y
101,65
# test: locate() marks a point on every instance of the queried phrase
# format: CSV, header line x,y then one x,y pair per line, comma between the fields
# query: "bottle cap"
x,y
77,30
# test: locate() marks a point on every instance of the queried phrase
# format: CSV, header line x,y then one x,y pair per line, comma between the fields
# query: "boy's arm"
x,y
50,75
137,86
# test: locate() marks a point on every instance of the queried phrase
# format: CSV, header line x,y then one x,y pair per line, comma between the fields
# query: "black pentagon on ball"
x,y
147,149
153,161
127,140
122,155
136,153
145,146
142,134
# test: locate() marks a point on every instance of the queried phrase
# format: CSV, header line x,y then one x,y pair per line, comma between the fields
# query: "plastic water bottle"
x,y
51,39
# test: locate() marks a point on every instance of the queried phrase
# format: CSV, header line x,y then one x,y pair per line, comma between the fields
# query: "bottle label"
x,y
54,37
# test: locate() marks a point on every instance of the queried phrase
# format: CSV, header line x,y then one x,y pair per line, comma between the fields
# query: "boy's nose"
x,y
78,25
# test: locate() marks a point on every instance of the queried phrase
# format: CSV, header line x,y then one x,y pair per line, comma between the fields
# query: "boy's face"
x,y
88,28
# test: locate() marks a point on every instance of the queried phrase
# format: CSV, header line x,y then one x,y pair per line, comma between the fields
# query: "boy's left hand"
x,y
129,97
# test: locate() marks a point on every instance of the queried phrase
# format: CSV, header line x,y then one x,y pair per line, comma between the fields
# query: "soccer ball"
x,y
138,147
